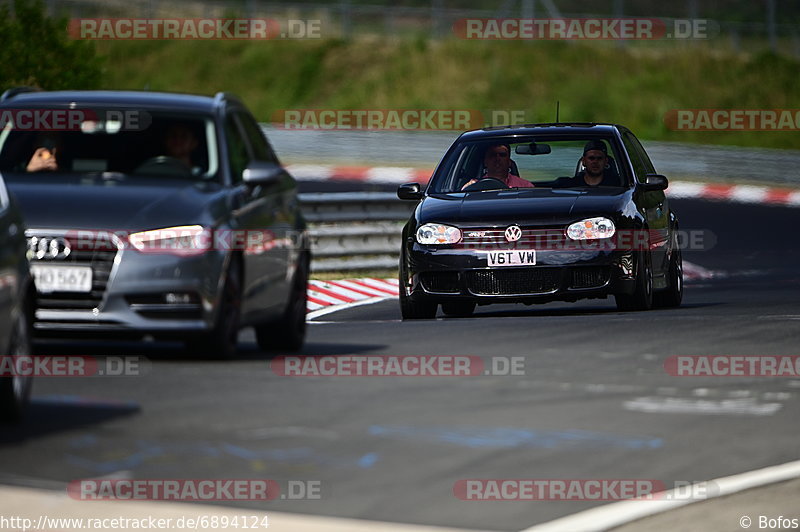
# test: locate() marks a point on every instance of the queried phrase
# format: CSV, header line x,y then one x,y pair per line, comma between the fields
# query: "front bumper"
x,y
134,302
450,274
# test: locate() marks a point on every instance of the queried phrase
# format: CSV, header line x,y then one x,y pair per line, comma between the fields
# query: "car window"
x,y
646,162
258,144
542,161
635,152
238,156
170,145
4,199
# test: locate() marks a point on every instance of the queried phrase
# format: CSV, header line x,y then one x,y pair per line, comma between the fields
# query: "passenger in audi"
x,y
497,165
44,157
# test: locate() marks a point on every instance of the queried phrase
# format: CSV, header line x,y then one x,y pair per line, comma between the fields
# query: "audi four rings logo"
x,y
48,248
513,233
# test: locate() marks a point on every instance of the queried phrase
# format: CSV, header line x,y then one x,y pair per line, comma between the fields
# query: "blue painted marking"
x,y
77,400
509,437
368,460
147,451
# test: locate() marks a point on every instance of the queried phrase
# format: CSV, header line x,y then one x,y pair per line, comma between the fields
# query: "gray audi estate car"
x,y
16,307
156,214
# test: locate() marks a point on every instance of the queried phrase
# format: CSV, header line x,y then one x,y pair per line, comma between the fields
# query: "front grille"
x,y
589,277
98,252
513,281
494,238
440,282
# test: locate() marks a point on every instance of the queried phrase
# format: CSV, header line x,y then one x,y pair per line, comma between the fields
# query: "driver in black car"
x,y
595,159
497,161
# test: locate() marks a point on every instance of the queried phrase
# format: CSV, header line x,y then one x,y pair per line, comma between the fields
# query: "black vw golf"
x,y
539,213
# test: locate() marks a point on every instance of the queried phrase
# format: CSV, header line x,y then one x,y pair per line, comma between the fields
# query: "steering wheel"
x,y
485,183
165,166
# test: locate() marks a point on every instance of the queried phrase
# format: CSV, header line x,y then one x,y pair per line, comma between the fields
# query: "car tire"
x,y
410,309
642,296
673,295
458,310
15,390
221,342
289,333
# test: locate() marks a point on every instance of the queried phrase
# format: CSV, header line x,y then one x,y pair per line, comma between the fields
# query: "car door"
x,y
260,223
652,204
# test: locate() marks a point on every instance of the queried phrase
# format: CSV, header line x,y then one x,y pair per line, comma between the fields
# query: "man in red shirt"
x,y
497,161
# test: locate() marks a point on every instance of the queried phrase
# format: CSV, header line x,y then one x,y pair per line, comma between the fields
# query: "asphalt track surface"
x,y
594,402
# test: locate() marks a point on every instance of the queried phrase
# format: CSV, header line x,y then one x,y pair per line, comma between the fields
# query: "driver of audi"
x,y
180,141
497,165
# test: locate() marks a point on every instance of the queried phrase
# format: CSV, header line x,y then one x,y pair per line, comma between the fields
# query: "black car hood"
x,y
542,206
56,202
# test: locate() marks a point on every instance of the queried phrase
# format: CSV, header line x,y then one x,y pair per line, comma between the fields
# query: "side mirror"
x,y
409,191
655,182
261,173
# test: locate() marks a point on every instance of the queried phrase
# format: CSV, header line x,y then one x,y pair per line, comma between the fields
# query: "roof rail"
x,y
10,93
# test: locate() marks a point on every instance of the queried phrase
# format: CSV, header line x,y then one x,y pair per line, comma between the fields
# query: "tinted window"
x,y
238,157
261,150
634,151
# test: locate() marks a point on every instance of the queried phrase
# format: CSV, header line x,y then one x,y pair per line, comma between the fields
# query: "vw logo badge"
x,y
48,248
513,233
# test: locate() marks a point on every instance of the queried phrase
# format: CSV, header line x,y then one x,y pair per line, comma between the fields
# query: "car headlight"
x,y
181,240
438,234
591,228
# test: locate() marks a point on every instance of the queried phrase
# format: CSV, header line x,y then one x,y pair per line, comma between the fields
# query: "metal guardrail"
x,y
355,230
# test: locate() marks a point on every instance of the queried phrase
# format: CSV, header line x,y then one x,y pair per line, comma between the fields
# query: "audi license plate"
x,y
56,278
511,258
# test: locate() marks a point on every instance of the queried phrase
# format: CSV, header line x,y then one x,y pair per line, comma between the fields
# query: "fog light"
x,y
177,298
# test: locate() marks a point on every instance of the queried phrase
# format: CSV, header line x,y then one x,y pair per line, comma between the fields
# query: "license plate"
x,y
511,258
56,278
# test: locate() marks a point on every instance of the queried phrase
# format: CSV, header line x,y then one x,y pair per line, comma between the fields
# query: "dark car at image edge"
x,y
17,300
455,240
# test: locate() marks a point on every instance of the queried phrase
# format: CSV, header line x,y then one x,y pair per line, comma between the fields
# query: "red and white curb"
x,y
325,297
329,296
677,189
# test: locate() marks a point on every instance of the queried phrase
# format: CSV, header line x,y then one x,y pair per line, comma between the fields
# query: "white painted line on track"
x,y
619,513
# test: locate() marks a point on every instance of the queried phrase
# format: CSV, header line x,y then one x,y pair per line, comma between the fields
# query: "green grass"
x,y
634,85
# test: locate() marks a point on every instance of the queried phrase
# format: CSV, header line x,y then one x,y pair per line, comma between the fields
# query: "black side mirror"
x,y
409,191
655,182
261,173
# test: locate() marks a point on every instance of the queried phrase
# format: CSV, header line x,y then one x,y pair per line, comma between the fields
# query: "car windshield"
x,y
543,162
155,145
